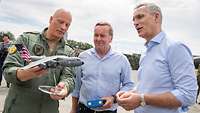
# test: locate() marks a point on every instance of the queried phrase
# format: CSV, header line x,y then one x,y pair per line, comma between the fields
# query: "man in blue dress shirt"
x,y
166,76
104,73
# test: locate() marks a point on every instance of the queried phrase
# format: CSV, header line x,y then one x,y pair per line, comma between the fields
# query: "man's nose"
x,y
63,27
135,23
98,37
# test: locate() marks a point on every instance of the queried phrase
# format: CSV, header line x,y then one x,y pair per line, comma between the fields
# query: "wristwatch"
x,y
142,103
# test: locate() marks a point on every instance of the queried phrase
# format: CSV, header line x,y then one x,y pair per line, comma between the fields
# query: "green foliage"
x,y
134,60
79,45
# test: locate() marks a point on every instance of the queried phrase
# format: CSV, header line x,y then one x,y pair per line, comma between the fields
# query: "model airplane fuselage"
x,y
57,61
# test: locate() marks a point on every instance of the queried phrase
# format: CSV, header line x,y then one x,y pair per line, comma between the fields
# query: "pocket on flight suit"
x,y
24,103
9,101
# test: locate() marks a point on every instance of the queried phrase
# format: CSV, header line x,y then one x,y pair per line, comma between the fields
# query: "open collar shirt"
x,y
100,77
167,66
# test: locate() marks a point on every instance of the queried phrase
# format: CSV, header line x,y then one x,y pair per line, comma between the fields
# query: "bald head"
x,y
59,24
63,12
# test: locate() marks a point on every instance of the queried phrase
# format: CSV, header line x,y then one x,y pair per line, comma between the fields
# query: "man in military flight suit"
x,y
23,95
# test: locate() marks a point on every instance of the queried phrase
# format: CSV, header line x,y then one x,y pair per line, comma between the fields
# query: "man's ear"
x,y
111,38
51,18
157,17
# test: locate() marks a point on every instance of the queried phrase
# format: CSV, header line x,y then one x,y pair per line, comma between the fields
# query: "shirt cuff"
x,y
75,94
178,95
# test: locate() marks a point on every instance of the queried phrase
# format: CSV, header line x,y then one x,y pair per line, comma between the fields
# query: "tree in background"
x,y
134,60
79,45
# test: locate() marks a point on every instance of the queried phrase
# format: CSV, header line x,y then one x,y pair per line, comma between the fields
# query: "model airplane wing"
x,y
46,89
55,62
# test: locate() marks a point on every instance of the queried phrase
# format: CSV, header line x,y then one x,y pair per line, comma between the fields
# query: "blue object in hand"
x,y
95,103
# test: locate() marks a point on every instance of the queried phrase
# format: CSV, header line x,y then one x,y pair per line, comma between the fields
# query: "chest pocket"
x,y
34,45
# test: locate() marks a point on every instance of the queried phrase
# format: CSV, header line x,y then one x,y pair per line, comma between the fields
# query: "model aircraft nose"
x,y
71,63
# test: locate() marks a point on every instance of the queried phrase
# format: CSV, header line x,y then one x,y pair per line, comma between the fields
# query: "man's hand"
x,y
128,100
27,74
59,92
109,102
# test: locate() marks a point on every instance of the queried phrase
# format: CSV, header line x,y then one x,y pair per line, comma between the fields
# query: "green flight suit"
x,y
24,97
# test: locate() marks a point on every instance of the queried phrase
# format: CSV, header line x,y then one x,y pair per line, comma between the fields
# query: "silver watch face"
x,y
142,100
142,103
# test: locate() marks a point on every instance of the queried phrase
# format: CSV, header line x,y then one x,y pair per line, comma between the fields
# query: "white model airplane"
x,y
57,61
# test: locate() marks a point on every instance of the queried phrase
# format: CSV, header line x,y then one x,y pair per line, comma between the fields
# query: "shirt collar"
x,y
110,53
155,40
62,41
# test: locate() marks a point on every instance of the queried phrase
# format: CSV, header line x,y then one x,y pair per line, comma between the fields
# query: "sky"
x,y
180,20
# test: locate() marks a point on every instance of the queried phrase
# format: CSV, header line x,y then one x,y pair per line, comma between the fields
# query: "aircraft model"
x,y
57,61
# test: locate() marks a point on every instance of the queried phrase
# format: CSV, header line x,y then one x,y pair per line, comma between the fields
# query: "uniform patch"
x,y
38,50
12,49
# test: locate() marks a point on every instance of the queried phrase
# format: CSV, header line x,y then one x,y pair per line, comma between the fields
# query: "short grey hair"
x,y
152,8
